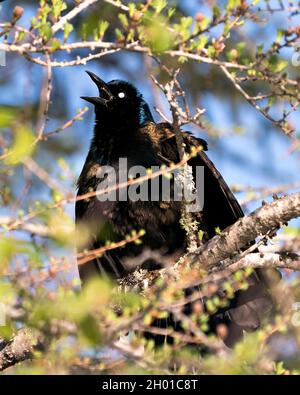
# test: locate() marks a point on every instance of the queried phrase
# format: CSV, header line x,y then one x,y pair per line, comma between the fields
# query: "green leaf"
x,y
210,306
103,26
277,64
100,30
159,5
119,35
279,35
259,49
232,4
21,36
183,28
132,8
22,146
204,23
57,7
153,35
9,247
123,19
68,28
202,41
45,30
238,275
55,44
84,31
279,368
34,22
170,12
216,12
218,230
211,51
90,329
200,235
7,116
182,59
44,12
271,101
240,47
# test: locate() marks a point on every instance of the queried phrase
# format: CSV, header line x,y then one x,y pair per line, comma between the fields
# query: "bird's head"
x,y
118,102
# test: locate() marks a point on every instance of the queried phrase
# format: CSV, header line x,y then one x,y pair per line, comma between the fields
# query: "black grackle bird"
x,y
125,128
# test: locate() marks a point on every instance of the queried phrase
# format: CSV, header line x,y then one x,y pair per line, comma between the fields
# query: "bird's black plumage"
x,y
125,128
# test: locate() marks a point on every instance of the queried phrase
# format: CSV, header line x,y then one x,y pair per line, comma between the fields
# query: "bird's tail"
x,y
250,307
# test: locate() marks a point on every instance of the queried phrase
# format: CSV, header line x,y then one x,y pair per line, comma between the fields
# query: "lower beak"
x,y
95,100
104,92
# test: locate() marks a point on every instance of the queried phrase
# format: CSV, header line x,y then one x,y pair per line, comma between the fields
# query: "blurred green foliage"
x,y
39,281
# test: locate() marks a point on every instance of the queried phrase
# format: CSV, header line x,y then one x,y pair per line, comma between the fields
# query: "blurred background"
x,y
249,151
252,154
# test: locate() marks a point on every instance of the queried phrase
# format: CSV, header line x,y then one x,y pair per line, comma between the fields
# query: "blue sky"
x,y
261,146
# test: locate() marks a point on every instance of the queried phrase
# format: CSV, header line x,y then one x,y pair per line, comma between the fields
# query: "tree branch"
x,y
70,15
245,230
19,348
257,260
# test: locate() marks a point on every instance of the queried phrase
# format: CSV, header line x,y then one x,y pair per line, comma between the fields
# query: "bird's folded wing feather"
x,y
221,209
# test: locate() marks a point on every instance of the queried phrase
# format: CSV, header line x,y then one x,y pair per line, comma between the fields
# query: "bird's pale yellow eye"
x,y
121,95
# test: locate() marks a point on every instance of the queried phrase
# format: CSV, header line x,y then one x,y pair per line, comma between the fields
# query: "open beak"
x,y
105,94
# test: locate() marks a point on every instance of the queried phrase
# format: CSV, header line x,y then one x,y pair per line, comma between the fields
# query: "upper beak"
x,y
105,94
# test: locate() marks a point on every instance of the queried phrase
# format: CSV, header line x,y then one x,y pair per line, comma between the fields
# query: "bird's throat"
x,y
113,140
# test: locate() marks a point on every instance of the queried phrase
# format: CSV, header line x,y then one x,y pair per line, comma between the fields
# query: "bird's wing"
x,y
221,209
221,206
93,228
84,228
